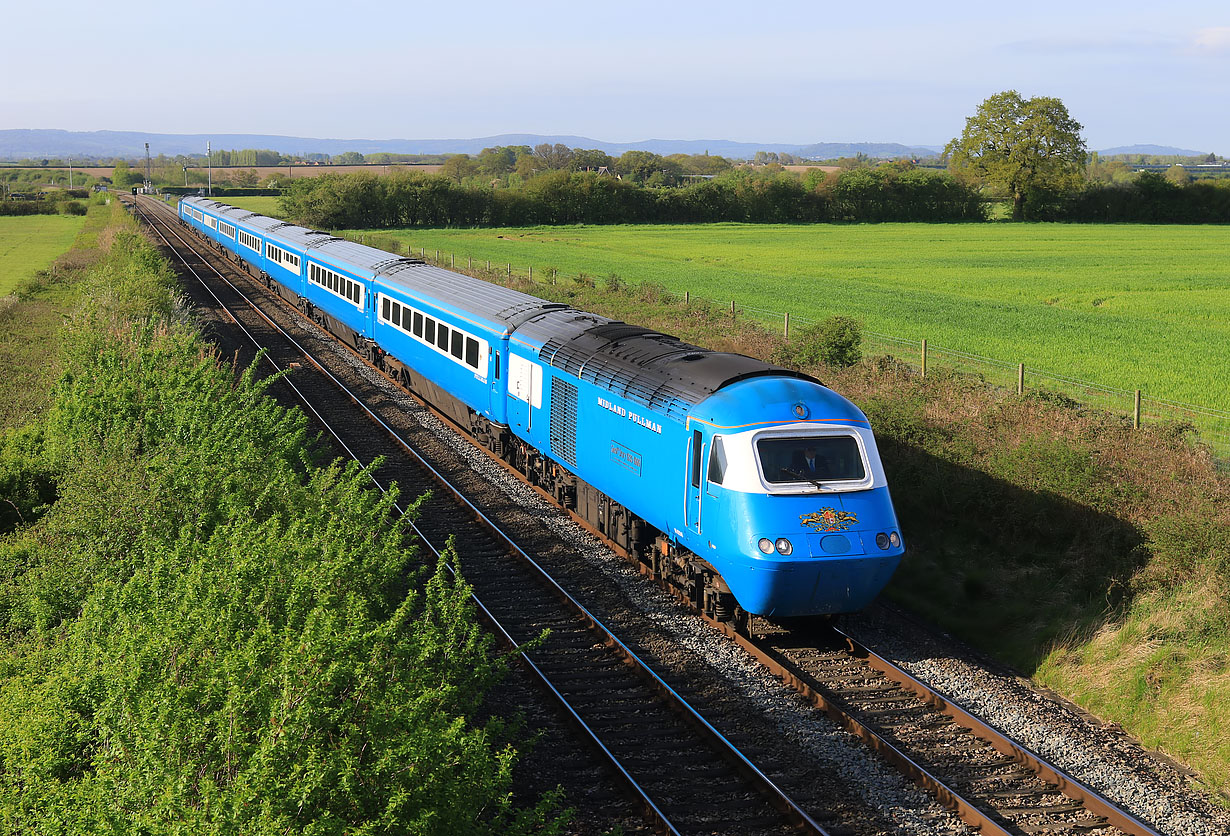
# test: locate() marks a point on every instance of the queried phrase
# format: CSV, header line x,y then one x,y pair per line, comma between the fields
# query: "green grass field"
x,y
1131,307
264,205
1125,306
30,243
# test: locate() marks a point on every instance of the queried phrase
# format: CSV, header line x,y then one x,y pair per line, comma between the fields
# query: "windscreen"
x,y
828,458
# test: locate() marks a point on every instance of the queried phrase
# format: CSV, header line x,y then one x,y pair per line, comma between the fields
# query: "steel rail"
x,y
776,796
1078,791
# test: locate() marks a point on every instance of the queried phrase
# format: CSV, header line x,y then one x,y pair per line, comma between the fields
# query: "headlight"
x,y
895,539
783,546
882,540
766,545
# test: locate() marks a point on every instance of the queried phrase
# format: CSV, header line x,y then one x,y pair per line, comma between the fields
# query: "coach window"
x,y
386,309
442,336
458,348
396,314
418,324
429,331
472,352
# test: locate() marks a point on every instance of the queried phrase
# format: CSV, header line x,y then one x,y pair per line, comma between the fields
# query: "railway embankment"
x,y
207,626
1089,556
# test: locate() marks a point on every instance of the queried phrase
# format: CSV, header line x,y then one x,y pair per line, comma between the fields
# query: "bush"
x,y
28,207
206,632
835,341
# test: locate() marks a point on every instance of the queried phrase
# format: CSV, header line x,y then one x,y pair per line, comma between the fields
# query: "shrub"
x,y
835,341
206,632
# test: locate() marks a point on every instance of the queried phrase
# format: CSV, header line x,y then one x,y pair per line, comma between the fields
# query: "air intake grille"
x,y
564,420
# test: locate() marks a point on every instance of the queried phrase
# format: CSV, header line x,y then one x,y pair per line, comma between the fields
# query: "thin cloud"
x,y
1213,39
1083,46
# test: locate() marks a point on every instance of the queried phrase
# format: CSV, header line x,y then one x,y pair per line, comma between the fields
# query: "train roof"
x,y
506,307
502,308
643,365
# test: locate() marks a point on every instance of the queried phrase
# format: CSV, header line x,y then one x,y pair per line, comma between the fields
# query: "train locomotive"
x,y
753,489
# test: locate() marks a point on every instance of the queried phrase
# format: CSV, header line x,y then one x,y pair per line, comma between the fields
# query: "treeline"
x,y
1149,198
766,195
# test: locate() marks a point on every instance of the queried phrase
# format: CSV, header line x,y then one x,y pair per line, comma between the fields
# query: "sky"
x,y
786,72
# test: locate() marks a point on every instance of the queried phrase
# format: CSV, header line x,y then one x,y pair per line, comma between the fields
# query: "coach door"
x,y
695,478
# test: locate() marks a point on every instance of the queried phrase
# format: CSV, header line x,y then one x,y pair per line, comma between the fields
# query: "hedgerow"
x,y
207,630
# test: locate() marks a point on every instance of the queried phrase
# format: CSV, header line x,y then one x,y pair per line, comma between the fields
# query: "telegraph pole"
x,y
209,155
149,179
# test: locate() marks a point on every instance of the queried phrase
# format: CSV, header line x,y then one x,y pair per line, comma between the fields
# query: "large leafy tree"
x,y
1020,145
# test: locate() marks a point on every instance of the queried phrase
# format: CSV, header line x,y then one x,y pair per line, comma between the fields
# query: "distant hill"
x,y
1152,151
24,144
876,150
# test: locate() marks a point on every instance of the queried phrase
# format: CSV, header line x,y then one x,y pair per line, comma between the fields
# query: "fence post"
x,y
1020,379
687,297
1136,412
732,308
437,256
531,272
509,271
488,265
786,326
470,262
452,261
924,359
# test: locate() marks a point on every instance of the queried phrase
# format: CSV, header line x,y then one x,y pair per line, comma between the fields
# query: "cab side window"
x,y
717,461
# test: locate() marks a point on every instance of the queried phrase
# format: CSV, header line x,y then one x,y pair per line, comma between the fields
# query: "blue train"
x,y
752,488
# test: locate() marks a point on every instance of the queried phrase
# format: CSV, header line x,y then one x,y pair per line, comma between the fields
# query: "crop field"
x,y
1126,306
263,204
30,243
1132,306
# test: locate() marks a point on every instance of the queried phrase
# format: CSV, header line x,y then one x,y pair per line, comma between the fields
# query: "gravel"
x,y
1150,786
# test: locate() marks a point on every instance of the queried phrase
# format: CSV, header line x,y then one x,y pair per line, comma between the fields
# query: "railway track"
x,y
992,783
669,756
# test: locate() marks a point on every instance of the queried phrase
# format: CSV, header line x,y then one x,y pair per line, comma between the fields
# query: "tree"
x,y
1178,175
589,160
458,167
1020,145
557,156
123,176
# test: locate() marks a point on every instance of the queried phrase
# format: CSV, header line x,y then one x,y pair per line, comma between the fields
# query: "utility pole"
x,y
149,180
209,155
70,173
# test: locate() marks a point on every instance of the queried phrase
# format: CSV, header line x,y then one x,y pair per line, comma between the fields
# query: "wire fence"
x,y
1211,425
